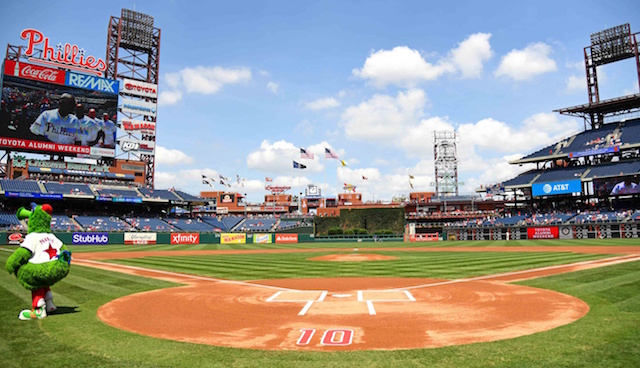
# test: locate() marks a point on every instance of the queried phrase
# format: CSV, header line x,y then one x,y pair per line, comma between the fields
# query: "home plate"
x,y
340,295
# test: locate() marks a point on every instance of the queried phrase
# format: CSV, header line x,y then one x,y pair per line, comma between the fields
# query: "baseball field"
x,y
552,303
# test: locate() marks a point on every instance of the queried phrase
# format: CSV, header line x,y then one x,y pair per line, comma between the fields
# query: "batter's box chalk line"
x,y
309,297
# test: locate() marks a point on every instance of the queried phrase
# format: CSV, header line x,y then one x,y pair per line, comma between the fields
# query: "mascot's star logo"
x,y
52,252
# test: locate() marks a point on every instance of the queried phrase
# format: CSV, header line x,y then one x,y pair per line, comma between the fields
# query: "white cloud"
x,y
527,63
208,80
273,87
278,157
575,84
322,104
470,54
382,117
171,157
401,66
166,98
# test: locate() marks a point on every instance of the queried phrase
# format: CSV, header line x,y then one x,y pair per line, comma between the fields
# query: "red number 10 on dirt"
x,y
333,337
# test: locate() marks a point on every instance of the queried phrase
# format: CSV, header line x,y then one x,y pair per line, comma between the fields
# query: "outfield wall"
x,y
149,238
572,231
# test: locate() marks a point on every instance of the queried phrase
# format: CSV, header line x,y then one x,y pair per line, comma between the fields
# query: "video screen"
x,y
614,186
56,118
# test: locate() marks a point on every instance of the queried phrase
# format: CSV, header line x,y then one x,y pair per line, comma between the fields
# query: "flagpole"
x,y
325,180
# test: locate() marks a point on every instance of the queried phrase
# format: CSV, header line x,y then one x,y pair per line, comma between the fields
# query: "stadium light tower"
x,y
133,52
608,46
445,156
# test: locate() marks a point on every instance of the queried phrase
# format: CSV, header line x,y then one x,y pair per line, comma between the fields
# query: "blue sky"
x,y
245,84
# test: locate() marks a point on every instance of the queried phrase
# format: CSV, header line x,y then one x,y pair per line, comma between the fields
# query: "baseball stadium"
x,y
539,270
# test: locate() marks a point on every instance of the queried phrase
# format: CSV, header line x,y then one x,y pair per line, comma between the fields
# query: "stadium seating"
x,y
548,218
522,179
186,196
560,174
103,223
10,221
630,132
590,139
252,225
110,192
505,221
63,223
149,224
24,186
600,216
190,224
217,224
231,221
159,194
614,169
68,188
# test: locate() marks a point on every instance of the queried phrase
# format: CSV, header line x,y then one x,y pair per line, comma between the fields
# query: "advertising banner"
x,y
34,72
137,88
36,118
92,83
138,107
140,238
548,232
227,198
32,195
90,238
619,185
139,126
185,238
262,238
286,238
15,238
556,188
233,238
132,145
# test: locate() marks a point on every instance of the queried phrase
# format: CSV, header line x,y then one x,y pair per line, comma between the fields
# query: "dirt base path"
x,y
344,313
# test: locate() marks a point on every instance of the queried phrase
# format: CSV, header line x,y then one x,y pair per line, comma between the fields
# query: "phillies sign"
x,y
137,88
62,56
34,72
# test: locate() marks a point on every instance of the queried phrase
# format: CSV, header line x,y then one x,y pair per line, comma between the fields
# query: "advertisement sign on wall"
x,y
92,82
233,238
548,232
140,238
15,238
262,238
556,188
139,126
34,72
138,107
132,145
137,88
185,238
90,238
286,238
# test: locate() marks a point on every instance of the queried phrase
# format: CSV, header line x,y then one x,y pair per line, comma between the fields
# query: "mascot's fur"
x,y
41,261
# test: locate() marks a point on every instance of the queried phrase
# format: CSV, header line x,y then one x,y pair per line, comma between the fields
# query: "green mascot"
x,y
41,261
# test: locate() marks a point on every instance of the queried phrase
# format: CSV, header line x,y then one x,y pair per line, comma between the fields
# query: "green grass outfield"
x,y
608,336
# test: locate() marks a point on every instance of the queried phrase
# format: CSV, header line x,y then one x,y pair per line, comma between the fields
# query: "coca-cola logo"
x,y
138,88
47,75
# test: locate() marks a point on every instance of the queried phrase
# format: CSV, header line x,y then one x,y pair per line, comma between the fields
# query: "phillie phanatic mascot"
x,y
41,261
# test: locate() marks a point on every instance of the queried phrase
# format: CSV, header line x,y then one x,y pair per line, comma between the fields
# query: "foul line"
x,y
96,264
605,261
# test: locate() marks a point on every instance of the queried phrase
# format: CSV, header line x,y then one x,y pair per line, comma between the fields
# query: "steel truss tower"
x,y
133,51
445,156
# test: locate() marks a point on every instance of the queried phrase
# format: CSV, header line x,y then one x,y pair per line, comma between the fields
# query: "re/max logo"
x,y
92,83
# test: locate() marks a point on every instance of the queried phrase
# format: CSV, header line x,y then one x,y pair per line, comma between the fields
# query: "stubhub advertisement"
x,y
556,188
90,238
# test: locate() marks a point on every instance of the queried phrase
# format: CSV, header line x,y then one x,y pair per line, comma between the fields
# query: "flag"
x,y
268,179
364,178
343,162
223,178
298,166
305,154
205,181
411,176
411,184
328,153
